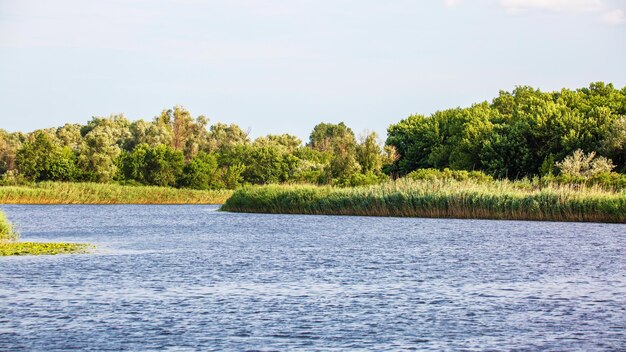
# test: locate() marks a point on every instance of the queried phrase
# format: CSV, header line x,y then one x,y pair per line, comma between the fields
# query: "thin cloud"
x,y
514,6
613,18
451,3
599,8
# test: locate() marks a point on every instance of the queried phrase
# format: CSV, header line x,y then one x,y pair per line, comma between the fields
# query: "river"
x,y
188,277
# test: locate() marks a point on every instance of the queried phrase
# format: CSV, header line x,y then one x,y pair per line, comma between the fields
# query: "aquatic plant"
x,y
9,244
43,248
7,233
440,198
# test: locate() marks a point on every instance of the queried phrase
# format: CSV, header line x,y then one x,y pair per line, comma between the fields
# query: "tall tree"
x,y
10,143
41,158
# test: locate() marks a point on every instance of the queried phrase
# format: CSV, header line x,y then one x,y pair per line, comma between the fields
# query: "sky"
x,y
284,66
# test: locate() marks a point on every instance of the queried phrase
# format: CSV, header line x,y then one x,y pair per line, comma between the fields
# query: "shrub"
x,y
447,174
585,165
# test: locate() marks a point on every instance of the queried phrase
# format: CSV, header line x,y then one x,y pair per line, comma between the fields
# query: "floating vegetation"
x,y
43,248
9,244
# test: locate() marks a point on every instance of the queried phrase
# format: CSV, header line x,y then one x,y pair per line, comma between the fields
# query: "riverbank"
x,y
98,193
440,199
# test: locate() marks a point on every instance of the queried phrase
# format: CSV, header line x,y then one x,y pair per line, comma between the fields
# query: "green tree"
x,y
10,143
516,135
69,135
369,154
98,155
226,136
132,165
160,165
163,165
414,139
326,136
614,143
289,143
41,158
150,133
201,173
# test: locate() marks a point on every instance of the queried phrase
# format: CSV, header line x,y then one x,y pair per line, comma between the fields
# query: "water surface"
x,y
191,278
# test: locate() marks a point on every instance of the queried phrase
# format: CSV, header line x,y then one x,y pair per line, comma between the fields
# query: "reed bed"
x,y
98,193
439,199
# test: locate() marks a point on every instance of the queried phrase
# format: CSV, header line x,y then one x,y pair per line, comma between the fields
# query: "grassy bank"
x,y
9,244
97,193
439,198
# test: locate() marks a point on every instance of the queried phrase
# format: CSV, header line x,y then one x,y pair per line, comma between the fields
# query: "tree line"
x,y
518,134
177,150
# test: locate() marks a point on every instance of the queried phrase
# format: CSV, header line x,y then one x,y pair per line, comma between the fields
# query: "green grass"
x,y
9,244
440,198
43,248
98,193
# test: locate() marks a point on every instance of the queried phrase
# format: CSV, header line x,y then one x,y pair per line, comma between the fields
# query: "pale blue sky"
x,y
284,66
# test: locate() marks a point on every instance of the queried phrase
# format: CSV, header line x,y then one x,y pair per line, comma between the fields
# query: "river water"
x,y
192,278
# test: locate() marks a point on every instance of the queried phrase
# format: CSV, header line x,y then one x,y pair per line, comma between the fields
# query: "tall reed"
x,y
7,233
98,193
439,198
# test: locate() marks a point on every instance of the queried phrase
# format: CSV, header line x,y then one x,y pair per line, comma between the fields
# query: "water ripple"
x,y
191,278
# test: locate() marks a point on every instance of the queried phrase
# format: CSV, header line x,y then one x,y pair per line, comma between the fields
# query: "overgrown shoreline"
x,y
427,195
98,193
439,199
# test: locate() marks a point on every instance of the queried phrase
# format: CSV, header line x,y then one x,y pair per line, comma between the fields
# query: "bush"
x,y
43,159
585,165
361,179
447,174
606,180
13,178
201,172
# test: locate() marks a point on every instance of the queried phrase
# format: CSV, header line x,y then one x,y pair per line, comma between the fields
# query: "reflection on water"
x,y
188,277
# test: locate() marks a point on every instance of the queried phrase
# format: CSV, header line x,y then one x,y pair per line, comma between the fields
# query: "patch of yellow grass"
x,y
98,193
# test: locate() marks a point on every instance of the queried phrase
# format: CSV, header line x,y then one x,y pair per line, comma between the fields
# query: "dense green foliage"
x,y
176,150
439,198
40,159
519,134
567,134
447,174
